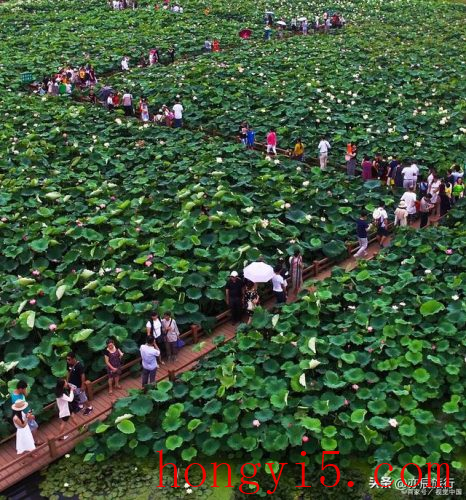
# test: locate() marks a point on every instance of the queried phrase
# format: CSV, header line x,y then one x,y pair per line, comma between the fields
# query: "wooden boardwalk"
x,y
14,468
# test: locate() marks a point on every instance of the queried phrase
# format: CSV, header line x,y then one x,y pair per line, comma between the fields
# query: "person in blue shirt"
x,y
362,227
250,138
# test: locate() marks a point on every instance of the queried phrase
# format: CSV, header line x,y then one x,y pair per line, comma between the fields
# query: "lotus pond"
x,y
101,218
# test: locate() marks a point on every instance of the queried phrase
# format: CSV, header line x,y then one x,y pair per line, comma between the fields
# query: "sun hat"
x,y
234,274
19,405
402,204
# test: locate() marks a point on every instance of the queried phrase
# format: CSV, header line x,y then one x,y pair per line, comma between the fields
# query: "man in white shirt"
x,y
410,199
380,217
323,147
149,354
279,286
110,105
178,111
125,64
410,176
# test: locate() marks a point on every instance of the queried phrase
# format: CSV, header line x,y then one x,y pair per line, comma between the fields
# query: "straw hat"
x,y
402,204
19,405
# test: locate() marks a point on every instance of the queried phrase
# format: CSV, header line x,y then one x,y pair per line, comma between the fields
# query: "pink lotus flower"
x,y
355,387
25,238
149,257
113,198
138,229
370,329
36,272
102,205
305,439
4,219
52,327
433,347
148,263
118,270
79,223
449,251
32,302
369,349
380,290
346,402
256,423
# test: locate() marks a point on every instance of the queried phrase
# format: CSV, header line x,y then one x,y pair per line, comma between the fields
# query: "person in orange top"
x,y
116,99
216,46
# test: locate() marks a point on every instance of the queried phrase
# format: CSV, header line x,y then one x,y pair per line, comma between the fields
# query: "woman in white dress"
x,y
24,438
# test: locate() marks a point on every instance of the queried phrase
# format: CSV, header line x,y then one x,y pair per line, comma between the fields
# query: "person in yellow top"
x,y
298,151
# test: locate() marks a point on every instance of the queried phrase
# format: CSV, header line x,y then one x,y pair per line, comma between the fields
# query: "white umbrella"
x,y
258,272
281,23
301,19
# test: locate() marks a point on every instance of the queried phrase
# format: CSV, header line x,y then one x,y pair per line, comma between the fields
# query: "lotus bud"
x,y
36,272
256,423
52,327
346,402
355,387
32,302
393,422
138,229
370,329
448,252
305,439
148,263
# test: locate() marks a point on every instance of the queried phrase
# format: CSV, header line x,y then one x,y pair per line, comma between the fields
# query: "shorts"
x,y
80,395
381,231
65,419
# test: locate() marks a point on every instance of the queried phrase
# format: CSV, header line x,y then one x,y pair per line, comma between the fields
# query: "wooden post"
x,y
52,448
195,333
171,375
316,267
89,390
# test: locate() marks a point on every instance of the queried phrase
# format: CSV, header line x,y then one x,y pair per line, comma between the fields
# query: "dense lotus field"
x,y
101,218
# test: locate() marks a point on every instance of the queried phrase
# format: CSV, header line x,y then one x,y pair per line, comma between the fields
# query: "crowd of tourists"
x,y
323,23
66,79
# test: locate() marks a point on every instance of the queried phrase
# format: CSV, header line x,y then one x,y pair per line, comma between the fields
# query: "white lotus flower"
x,y
126,416
405,137
402,304
65,485
276,162
298,169
219,160
322,219
395,308
306,183
118,121
189,491
287,205
418,144
393,422
248,210
455,297
427,271
107,144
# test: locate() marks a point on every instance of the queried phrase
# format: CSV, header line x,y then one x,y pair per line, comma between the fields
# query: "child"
x,y
63,401
298,151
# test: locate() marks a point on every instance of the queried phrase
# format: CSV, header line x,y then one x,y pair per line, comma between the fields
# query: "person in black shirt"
x,y
234,296
77,379
361,232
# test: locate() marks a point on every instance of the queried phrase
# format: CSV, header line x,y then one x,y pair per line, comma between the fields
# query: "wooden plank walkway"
x,y
13,469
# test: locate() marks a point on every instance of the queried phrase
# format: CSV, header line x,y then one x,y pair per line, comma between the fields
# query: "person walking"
x,y
251,138
149,354
381,221
362,226
392,166
324,148
24,438
110,105
458,190
144,109
251,299
350,158
112,358
401,214
178,112
154,328
296,271
19,394
127,102
298,151
272,142
267,32
171,54
63,403
410,174
172,335
234,291
279,286
366,166
125,63
433,190
77,381
444,200
425,206
409,198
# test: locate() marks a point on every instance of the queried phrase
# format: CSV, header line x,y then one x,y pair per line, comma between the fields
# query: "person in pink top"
x,y
272,141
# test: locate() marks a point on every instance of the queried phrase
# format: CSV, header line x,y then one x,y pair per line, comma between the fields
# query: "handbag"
x,y
180,343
